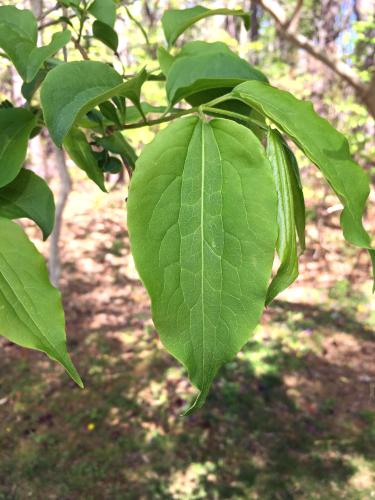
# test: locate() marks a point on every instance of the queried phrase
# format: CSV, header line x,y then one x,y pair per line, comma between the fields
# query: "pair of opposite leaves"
x,y
208,206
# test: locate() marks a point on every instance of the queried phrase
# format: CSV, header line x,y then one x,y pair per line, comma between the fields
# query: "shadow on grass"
x,y
123,437
275,426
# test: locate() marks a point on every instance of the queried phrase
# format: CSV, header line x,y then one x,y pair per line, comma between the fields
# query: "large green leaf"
x,y
29,196
202,67
104,11
325,147
175,21
31,313
202,222
80,152
16,125
287,238
72,89
18,39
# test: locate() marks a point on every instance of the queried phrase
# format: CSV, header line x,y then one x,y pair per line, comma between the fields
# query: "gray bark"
x,y
54,264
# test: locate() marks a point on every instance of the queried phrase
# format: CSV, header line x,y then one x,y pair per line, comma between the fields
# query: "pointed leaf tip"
x,y
31,313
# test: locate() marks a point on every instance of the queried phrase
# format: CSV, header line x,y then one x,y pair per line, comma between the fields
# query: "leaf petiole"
x,y
158,121
234,115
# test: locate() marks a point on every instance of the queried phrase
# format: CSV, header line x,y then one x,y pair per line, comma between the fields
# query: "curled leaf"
x,y
287,239
324,146
28,195
79,150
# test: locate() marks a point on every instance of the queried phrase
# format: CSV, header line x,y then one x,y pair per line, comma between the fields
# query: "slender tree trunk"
x,y
54,263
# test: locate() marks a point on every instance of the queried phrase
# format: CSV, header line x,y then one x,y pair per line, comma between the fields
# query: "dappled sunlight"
x,y
293,410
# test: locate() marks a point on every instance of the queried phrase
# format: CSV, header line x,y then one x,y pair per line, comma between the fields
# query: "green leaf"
x,y
117,144
86,84
120,103
31,314
40,54
202,215
175,21
79,150
287,240
18,39
18,35
203,67
324,146
29,196
112,165
109,111
104,11
6,104
69,3
298,198
105,34
28,89
165,60
16,125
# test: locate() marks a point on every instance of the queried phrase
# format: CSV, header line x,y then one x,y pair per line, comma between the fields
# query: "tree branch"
x,y
53,22
286,28
292,24
158,121
48,11
81,50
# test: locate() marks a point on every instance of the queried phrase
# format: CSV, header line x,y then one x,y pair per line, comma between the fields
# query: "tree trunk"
x,y
54,264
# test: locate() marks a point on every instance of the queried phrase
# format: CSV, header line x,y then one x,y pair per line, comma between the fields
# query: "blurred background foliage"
x,y
293,416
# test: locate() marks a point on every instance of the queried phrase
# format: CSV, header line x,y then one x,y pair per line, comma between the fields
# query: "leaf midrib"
x,y
202,248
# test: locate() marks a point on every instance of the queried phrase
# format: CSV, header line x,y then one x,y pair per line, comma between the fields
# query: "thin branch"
x,y
53,22
65,50
293,22
164,119
48,12
139,25
81,50
232,114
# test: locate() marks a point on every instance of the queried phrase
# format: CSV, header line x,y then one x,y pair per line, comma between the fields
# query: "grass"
x,y
259,436
291,417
